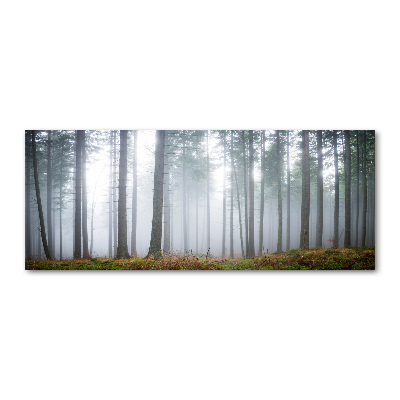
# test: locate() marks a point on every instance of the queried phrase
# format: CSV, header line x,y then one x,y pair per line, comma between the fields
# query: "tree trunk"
x,y
364,178
336,211
49,194
197,217
78,198
61,196
246,216
278,164
224,201
156,225
122,249
251,196
231,250
358,190
262,200
167,211
240,214
347,174
134,195
208,199
38,198
288,194
184,196
28,242
115,208
85,237
110,202
305,200
320,191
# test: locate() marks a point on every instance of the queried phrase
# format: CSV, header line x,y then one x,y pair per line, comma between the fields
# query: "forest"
x,y
200,199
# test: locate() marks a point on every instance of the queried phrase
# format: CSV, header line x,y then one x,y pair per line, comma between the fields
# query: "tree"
x,y
224,199
110,201
262,199
347,173
251,196
49,193
358,188
288,193
364,182
167,208
122,249
336,212
231,251
38,198
208,198
134,195
320,191
85,238
156,225
305,198
28,241
278,173
78,196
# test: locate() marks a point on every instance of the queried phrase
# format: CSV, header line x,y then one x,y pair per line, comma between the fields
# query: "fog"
x,y
188,161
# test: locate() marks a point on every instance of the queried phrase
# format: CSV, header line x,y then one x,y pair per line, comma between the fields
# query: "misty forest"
x,y
198,199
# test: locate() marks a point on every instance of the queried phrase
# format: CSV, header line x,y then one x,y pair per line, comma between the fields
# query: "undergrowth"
x,y
315,259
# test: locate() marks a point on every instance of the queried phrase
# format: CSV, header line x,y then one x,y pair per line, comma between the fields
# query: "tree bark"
x,y
115,205
240,214
347,174
320,191
208,199
122,249
336,211
358,190
49,194
184,197
61,196
38,198
251,196
305,200
262,200
78,198
156,228
85,236
246,216
288,194
167,210
364,178
134,195
278,168
28,241
224,201
110,202
231,250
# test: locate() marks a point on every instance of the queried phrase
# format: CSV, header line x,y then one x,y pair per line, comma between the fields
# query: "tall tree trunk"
x,y
246,216
61,196
115,205
85,237
208,199
28,242
251,196
110,201
184,197
134,195
156,225
122,249
38,198
336,211
320,191
231,250
288,193
364,178
224,201
262,200
167,211
197,217
78,197
278,164
240,214
358,190
305,200
49,194
347,174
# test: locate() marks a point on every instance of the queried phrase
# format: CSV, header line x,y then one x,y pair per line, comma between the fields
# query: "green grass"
x,y
314,259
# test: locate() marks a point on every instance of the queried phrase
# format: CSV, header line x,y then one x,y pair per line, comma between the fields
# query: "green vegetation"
x,y
330,259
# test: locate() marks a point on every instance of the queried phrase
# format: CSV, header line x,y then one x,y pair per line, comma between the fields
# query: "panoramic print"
x,y
199,200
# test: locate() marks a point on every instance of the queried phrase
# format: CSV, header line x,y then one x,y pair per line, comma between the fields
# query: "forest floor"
x,y
355,258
